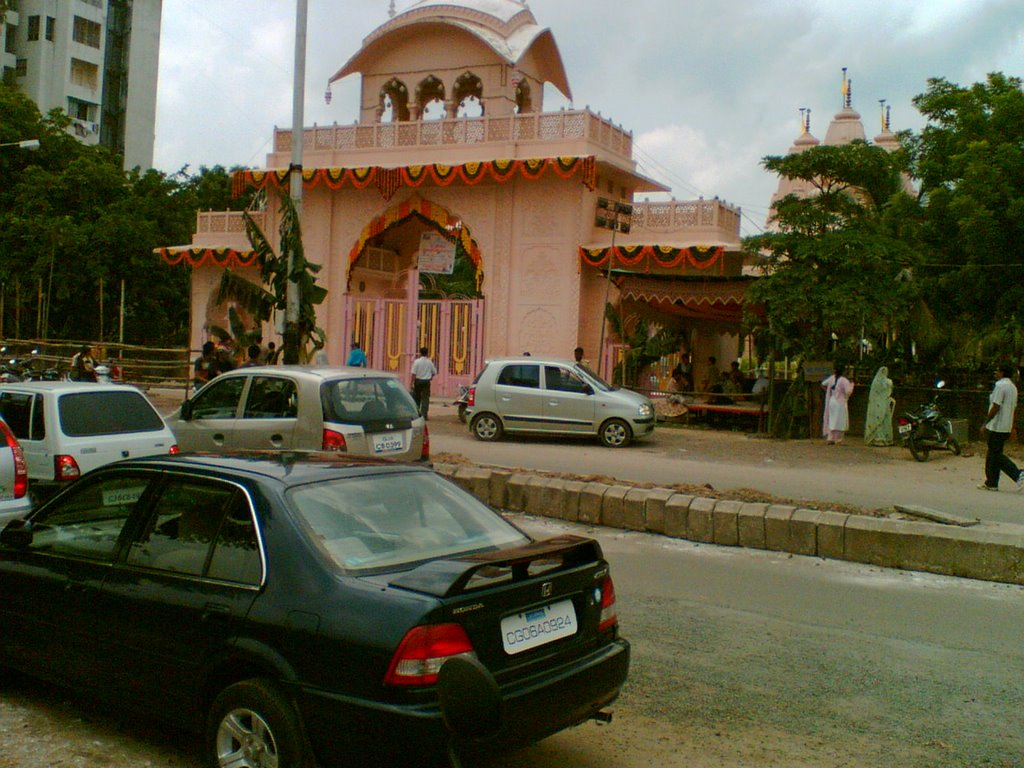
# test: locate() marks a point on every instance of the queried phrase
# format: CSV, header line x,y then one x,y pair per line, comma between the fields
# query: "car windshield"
x,y
367,399
392,522
593,379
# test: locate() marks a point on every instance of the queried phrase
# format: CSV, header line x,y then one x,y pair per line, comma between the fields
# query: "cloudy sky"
x,y
707,87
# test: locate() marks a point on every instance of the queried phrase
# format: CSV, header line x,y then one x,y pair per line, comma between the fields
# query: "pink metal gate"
x,y
391,335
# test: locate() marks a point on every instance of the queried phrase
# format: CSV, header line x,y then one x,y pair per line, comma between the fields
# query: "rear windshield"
x,y
367,399
86,414
394,522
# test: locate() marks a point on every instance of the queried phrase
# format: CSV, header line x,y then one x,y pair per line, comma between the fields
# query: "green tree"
x,y
969,159
74,225
835,268
263,300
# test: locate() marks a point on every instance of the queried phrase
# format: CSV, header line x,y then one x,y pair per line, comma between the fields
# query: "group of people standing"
x,y
999,419
217,359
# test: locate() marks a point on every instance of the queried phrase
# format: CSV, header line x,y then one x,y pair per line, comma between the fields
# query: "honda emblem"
x,y
546,589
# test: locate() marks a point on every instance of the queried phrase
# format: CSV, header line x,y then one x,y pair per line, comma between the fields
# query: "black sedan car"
x,y
295,609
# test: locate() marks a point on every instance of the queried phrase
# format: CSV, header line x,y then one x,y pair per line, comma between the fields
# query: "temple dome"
x,y
507,27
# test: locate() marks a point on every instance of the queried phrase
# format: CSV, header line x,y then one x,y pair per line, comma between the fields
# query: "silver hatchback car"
x,y
286,407
554,396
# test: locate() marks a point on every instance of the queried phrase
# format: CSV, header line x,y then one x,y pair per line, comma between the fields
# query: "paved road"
x,y
745,658
875,478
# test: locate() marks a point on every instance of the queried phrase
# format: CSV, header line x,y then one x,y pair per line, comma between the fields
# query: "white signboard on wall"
x,y
437,253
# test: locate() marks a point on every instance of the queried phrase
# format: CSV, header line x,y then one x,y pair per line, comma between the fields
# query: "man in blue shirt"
x,y
356,358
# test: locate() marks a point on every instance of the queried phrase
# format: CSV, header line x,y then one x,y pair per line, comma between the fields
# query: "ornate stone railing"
x,y
686,214
535,127
225,221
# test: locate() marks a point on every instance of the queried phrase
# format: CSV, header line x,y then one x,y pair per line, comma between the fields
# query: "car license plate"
x,y
523,631
389,442
904,428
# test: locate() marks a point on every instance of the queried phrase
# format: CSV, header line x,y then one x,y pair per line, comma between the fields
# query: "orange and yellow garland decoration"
x,y
667,257
197,257
389,180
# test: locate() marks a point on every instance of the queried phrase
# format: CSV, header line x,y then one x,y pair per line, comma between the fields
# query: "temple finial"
x,y
391,10
846,90
885,115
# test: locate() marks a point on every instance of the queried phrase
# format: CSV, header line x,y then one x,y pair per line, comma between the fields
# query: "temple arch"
x,y
524,99
430,99
468,96
393,104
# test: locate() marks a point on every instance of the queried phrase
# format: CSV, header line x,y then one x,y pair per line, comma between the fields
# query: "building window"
x,y
80,110
51,25
33,28
11,41
85,74
86,32
21,68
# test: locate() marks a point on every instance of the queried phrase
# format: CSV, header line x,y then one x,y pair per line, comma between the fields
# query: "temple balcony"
x,y
224,229
685,223
462,140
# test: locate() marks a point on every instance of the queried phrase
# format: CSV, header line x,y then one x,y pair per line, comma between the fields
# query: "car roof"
x,y
322,373
62,387
287,467
527,359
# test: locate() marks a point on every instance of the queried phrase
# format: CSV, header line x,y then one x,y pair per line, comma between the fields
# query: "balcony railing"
x,y
686,214
214,222
536,127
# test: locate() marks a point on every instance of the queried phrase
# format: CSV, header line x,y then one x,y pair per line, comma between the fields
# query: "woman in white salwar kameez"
x,y
836,416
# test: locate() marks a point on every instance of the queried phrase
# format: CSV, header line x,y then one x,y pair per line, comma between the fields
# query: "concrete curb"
x,y
975,553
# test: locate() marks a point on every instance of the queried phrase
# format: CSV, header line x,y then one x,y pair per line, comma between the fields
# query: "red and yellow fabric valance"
x,y
646,256
197,257
389,180
447,224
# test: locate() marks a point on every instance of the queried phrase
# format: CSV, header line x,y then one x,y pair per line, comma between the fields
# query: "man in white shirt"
x,y
1002,404
423,370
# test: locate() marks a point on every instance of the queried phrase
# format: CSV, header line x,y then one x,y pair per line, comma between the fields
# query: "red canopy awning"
x,y
720,300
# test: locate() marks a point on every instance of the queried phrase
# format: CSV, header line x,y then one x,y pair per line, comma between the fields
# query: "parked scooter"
x,y
926,429
462,401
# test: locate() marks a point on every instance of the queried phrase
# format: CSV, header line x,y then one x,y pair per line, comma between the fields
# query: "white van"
x,y
67,428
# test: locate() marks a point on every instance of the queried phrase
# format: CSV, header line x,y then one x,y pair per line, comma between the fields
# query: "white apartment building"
x,y
96,60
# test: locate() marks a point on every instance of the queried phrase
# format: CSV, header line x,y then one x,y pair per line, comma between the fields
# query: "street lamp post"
x,y
617,217
293,299
30,144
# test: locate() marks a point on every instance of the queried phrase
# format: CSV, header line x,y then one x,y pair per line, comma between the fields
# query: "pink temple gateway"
x,y
455,161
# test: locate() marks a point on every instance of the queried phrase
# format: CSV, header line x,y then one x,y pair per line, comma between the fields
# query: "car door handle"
x,y
276,440
218,439
216,611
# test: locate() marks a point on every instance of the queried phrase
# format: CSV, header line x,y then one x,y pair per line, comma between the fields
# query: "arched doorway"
x,y
393,307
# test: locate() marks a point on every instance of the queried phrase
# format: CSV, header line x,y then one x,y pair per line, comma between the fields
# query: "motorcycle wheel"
x,y
954,445
462,412
918,450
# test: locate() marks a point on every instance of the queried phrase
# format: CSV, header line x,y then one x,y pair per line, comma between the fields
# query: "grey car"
x,y
292,407
554,396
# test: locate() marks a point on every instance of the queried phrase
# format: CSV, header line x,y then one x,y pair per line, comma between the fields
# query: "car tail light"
x,y
425,450
174,449
65,468
20,468
334,441
422,652
471,397
609,618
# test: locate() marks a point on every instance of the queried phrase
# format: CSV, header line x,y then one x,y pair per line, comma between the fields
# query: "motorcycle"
x,y
926,429
462,401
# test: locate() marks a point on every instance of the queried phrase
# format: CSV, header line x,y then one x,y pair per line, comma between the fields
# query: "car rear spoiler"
x,y
444,578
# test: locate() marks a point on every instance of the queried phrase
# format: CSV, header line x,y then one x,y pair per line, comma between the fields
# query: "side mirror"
x,y
587,389
17,534
186,410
